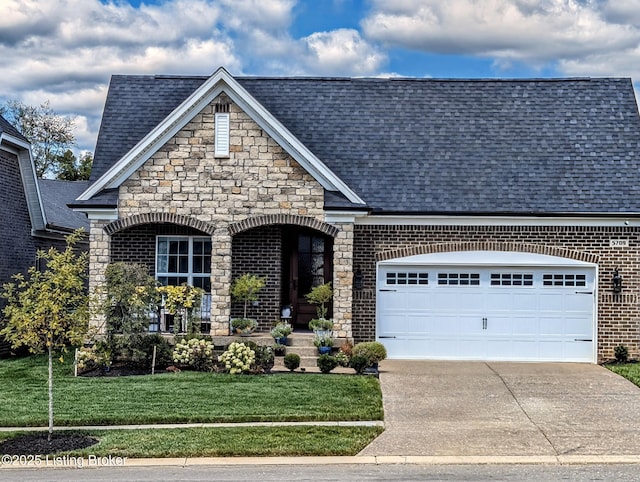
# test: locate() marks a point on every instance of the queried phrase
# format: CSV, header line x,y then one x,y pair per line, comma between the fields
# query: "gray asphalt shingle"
x,y
433,146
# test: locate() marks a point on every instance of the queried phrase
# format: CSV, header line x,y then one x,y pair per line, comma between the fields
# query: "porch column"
x,y
343,280
220,281
99,258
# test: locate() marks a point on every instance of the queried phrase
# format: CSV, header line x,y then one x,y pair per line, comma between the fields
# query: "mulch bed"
x,y
37,444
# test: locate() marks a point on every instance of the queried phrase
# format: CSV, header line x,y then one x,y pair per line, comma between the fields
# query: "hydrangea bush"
x,y
196,353
238,358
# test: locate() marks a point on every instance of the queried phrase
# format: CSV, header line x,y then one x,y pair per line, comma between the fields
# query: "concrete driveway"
x,y
435,408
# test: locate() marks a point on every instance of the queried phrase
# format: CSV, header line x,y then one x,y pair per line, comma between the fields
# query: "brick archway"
x,y
303,221
157,218
487,246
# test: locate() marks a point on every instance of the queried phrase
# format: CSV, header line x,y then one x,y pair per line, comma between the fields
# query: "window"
x,y
460,279
550,279
511,279
184,259
407,278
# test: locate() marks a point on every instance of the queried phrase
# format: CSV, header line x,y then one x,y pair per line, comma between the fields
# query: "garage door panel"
x,y
578,327
449,299
522,325
517,313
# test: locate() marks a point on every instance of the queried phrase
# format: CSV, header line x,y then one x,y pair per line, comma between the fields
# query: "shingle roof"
x,y
433,146
6,126
55,197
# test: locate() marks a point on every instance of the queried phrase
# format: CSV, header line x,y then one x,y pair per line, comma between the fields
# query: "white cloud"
x,y
66,50
342,50
523,30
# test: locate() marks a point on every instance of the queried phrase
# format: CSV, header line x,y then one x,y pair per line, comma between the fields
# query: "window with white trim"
x,y
459,279
562,279
511,279
184,259
407,278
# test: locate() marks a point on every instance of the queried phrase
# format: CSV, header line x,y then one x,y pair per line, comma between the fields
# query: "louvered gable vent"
x,y
222,129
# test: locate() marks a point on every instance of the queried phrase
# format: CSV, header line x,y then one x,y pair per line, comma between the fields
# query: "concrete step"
x,y
303,350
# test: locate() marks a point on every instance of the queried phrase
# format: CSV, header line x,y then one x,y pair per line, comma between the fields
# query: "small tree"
x,y
246,288
320,295
49,309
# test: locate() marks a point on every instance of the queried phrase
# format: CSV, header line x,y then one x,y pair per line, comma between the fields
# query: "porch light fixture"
x,y
617,282
358,279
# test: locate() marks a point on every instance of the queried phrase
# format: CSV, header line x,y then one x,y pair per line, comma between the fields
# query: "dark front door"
x,y
310,264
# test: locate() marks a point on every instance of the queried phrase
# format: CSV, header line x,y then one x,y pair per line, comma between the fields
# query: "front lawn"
x,y
630,371
181,397
226,442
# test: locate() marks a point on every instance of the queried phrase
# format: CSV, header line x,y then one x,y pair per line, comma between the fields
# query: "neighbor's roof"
x,y
8,128
432,146
55,197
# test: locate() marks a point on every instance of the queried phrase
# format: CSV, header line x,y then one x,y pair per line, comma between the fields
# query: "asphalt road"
x,y
301,473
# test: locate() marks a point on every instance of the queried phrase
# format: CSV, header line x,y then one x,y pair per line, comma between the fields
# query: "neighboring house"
x,y
456,219
34,212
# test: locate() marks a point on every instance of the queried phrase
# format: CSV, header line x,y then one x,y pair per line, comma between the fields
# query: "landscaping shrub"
x,y
374,351
264,359
291,361
196,353
622,354
136,351
342,359
347,348
238,358
326,363
359,363
130,294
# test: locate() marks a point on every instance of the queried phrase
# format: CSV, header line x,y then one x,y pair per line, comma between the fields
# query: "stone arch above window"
x,y
308,222
152,218
488,246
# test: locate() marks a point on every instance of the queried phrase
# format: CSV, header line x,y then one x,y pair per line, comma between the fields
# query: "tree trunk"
x,y
50,393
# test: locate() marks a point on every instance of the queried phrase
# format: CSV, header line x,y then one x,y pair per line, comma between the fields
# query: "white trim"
x,y
99,214
339,217
220,81
487,258
29,179
614,219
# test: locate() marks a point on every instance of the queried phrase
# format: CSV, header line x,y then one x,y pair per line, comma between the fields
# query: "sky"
x,y
65,51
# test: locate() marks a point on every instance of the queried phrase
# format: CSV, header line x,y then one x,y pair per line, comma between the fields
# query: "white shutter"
x,y
222,134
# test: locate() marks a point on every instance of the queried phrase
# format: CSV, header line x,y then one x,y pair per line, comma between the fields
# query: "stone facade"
x,y
618,315
258,184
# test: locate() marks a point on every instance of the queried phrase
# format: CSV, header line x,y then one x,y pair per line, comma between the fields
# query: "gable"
x,y
220,82
425,146
186,175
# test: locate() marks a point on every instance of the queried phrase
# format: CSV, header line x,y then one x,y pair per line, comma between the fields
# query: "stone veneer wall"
x,y
257,179
618,315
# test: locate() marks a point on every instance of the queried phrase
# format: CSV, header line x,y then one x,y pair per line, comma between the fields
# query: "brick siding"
x,y
259,251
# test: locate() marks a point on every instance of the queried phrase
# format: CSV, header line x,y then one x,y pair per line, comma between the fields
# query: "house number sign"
x,y
619,243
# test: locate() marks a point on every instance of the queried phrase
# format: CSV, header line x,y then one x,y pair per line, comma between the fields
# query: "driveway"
x,y
439,408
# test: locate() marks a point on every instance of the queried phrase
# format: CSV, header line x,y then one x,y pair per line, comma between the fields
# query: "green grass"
x,y
227,442
180,397
630,371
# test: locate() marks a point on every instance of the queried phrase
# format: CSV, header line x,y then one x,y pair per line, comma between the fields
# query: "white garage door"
x,y
487,306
